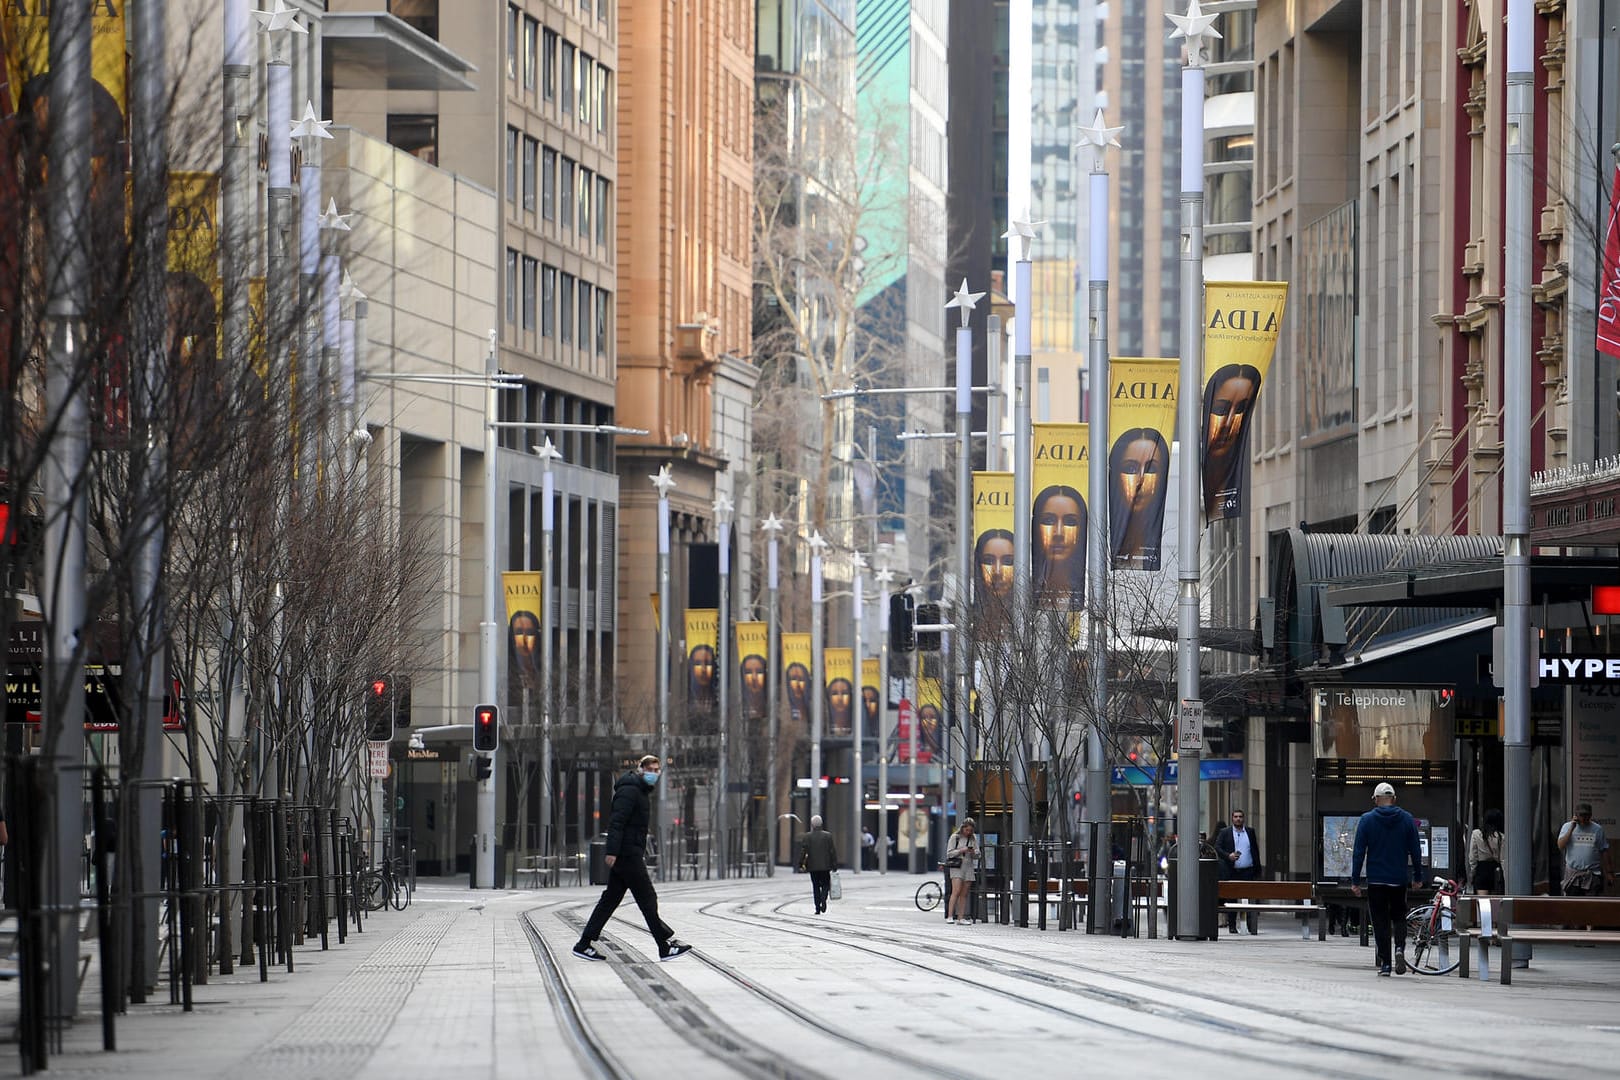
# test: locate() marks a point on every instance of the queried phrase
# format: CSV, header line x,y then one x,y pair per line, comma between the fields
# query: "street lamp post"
x,y
772,527
547,453
818,673
883,577
663,481
484,804
964,302
1096,811
722,519
1197,29
857,716
1023,234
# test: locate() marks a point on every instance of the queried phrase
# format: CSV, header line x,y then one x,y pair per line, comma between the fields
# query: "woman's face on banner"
x,y
702,661
1141,474
1228,412
1057,527
996,565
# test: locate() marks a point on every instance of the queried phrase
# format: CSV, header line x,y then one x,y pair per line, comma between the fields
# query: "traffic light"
x,y
901,637
482,767
402,701
486,728
929,615
380,709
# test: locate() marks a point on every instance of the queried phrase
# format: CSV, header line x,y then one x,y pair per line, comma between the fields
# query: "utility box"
x,y
598,859
1209,878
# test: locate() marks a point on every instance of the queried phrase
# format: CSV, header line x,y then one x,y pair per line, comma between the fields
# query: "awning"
x,y
1475,582
377,51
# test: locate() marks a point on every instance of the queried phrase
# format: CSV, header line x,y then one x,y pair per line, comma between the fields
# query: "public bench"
x,y
1573,920
1238,897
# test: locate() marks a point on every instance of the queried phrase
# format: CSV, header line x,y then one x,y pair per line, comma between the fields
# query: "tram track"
x,y
915,941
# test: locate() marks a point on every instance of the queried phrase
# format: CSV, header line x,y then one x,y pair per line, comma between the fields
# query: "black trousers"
x,y
628,872
820,885
1386,907
1248,873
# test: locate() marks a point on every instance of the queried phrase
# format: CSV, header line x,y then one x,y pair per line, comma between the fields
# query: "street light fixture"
x,y
772,527
722,519
663,481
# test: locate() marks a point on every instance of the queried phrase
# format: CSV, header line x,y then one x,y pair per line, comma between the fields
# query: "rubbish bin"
x,y
598,859
1209,877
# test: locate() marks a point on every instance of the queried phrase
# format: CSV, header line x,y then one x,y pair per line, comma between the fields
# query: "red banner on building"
x,y
1608,300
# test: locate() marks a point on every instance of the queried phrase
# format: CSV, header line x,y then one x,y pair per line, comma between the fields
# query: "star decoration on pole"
x,y
883,577
816,542
1099,136
1023,231
279,18
349,289
663,481
772,525
857,560
334,220
547,452
1197,29
311,126
964,301
722,509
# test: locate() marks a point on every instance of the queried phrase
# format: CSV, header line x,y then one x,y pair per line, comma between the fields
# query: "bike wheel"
x,y
1433,943
929,894
373,890
402,894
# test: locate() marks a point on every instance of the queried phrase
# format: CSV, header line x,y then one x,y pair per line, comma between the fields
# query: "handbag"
x,y
836,890
953,863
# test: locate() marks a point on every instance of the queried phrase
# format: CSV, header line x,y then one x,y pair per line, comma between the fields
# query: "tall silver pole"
x,y
484,876
722,672
235,189
548,660
663,482
149,386
818,673
964,540
1097,810
310,242
1023,477
994,452
883,576
1517,394
1195,27
857,781
773,661
68,252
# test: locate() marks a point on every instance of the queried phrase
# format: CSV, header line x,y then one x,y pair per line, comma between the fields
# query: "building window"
x,y
420,15
602,205
548,184
565,305
528,293
570,75
604,99
531,150
548,301
587,68
585,312
415,133
586,183
511,285
601,322
567,186
511,41
548,64
511,164
531,35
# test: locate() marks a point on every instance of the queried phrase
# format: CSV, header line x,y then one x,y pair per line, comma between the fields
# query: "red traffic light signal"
x,y
486,728
380,709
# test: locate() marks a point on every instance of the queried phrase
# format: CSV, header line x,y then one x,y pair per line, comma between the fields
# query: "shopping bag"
x,y
836,891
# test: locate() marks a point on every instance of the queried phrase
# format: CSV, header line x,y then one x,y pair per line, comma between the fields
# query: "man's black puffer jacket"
x,y
627,828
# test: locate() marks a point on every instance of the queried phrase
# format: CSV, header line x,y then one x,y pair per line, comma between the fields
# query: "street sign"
x,y
1190,726
379,760
1210,770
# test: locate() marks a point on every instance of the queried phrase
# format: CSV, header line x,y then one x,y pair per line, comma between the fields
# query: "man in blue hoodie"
x,y
1387,841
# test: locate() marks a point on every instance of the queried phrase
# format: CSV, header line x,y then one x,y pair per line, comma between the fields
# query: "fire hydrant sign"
x,y
1190,726
379,760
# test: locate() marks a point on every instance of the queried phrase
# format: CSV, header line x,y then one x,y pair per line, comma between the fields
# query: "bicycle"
x,y
1431,931
929,895
378,887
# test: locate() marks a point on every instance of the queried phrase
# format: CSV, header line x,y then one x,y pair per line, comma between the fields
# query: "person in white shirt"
x,y
1587,869
1239,851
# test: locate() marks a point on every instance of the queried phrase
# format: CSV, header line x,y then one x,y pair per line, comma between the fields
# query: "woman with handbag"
x,y
961,865
1485,855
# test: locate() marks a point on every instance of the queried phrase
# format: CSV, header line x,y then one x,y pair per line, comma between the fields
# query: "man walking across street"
x,y
1387,841
627,864
868,850
1239,850
1587,869
818,855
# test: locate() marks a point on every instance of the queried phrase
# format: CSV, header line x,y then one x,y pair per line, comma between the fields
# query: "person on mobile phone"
x,y
1587,867
961,865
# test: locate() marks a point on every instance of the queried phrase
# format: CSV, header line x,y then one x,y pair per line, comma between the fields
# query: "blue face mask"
x,y
650,779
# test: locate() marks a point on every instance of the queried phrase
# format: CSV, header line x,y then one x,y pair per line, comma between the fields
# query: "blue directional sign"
x,y
1209,769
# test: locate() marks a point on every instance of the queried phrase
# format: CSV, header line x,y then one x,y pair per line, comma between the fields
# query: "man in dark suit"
x,y
1239,851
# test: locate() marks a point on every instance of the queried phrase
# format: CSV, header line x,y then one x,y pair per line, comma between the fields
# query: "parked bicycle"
x,y
1431,932
929,895
377,887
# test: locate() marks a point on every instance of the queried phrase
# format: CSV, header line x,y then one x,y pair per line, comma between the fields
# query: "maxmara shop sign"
x,y
1579,669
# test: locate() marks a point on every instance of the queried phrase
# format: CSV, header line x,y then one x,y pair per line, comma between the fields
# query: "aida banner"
x,y
1059,514
839,669
993,558
796,674
753,650
1142,423
193,290
701,624
1241,322
930,709
522,590
871,717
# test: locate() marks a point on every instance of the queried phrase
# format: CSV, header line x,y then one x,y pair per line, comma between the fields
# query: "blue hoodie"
x,y
1386,838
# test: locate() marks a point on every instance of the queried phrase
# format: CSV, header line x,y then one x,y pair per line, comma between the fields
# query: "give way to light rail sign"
x,y
1190,726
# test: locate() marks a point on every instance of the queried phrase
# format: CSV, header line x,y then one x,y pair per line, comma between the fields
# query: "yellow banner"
x,y
701,636
193,289
753,651
26,38
1241,322
1142,423
1059,515
930,708
522,590
871,717
796,674
839,672
992,537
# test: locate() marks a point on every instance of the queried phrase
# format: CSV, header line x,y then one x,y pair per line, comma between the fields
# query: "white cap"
x,y
1382,790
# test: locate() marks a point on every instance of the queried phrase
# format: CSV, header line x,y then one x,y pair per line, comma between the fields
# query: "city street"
x,y
479,984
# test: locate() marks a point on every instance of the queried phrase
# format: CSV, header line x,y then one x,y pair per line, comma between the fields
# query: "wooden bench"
x,y
1273,898
1573,920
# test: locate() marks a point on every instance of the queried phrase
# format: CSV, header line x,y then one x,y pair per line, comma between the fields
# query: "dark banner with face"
x,y
1142,421
871,716
701,673
1059,516
992,540
796,675
522,589
753,650
1241,322
839,667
